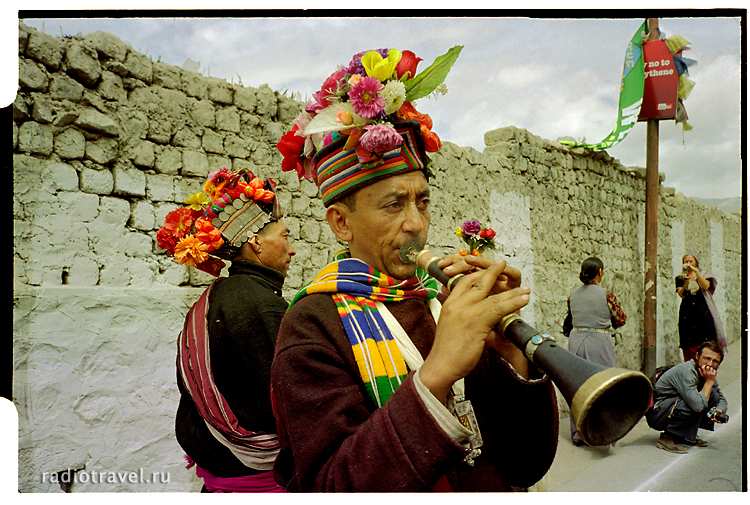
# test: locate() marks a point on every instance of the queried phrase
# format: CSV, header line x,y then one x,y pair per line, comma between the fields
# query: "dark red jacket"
x,y
333,438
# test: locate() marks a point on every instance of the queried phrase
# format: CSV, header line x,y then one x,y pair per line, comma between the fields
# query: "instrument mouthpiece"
x,y
408,252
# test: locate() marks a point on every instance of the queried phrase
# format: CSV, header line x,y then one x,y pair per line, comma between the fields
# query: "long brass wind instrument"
x,y
605,403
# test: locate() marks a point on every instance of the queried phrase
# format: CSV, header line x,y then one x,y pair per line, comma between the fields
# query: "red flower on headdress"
x,y
431,140
179,221
292,147
407,63
166,240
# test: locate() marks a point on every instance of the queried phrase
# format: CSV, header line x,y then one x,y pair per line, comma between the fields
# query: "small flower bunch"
x,y
478,236
189,234
362,100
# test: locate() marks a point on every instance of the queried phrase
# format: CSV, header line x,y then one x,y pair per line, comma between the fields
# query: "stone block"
x,y
168,160
159,187
113,273
141,215
97,122
183,188
35,138
102,151
82,62
216,162
100,182
194,163
186,137
228,119
267,103
212,142
70,144
245,99
143,154
79,207
42,111
173,102
195,85
166,75
108,45
20,109
45,49
113,212
31,75
139,66
288,110
64,87
235,146
220,91
129,181
203,113
60,177
111,87
83,271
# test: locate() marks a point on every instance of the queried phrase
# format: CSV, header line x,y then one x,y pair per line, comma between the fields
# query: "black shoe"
x,y
578,442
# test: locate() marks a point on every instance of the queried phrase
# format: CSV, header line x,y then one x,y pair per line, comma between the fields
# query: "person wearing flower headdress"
x,y
380,381
224,421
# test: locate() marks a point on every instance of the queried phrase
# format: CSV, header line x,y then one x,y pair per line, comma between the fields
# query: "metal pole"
x,y
652,219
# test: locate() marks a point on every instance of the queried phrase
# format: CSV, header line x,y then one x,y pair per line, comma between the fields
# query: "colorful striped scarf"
x,y
355,288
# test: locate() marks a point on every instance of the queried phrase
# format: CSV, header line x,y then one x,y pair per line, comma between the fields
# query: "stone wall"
x,y
107,141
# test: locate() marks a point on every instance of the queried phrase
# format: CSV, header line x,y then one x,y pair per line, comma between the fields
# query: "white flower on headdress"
x,y
394,93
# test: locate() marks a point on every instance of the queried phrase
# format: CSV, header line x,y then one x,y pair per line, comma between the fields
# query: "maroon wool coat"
x,y
334,438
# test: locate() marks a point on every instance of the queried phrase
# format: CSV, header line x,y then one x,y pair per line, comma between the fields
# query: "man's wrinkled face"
x,y
388,214
276,249
709,357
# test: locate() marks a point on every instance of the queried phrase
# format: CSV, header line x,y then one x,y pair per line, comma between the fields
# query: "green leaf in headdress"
x,y
433,76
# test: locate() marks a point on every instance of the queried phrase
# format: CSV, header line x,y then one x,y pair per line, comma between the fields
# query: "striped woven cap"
x,y
340,173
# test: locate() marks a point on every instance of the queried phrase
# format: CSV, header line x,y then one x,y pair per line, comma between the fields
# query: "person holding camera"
x,y
687,397
699,320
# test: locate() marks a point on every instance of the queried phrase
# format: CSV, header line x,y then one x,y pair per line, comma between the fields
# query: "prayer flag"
x,y
631,94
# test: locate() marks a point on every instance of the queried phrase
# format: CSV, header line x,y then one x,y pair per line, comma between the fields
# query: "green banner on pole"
x,y
631,94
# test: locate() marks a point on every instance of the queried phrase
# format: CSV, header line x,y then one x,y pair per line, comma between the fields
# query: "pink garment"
x,y
259,483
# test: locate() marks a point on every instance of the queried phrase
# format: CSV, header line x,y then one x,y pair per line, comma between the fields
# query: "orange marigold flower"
x,y
190,251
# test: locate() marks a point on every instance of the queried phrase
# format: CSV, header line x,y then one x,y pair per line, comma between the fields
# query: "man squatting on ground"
x,y
683,396
224,421
372,364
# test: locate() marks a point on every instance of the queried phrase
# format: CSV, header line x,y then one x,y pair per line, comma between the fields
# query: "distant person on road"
x,y
699,320
594,313
687,397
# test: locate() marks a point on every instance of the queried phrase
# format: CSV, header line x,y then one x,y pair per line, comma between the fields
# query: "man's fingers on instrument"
x,y
478,284
502,304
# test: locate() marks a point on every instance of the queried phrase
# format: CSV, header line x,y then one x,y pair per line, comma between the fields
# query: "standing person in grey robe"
x,y
595,313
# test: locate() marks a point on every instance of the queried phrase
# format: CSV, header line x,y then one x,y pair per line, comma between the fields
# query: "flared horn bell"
x,y
605,403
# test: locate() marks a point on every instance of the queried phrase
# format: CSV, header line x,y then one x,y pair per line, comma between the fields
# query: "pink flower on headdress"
x,y
331,87
380,138
365,99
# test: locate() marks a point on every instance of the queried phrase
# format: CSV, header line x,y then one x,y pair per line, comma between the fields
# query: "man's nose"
x,y
413,222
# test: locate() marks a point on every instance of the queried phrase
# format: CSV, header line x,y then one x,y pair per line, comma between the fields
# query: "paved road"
x,y
635,464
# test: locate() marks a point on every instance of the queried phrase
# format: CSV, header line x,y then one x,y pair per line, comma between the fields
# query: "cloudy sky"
x,y
554,76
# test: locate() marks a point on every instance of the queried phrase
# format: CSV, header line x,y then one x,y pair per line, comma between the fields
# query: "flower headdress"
x,y
362,125
478,237
218,220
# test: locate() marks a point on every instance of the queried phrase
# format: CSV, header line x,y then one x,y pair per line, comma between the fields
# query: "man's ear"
x,y
253,243
337,215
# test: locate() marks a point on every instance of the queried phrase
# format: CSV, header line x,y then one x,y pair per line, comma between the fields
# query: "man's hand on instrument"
x,y
466,322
